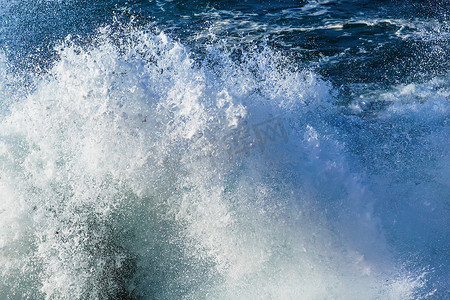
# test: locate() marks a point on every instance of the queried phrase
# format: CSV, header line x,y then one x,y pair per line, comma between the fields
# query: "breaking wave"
x,y
132,169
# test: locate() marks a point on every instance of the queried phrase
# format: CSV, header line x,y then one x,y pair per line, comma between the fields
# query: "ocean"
x,y
224,149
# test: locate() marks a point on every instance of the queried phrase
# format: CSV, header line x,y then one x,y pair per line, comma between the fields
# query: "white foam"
x,y
117,175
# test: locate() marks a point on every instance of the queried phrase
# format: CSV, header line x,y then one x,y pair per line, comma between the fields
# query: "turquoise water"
x,y
224,150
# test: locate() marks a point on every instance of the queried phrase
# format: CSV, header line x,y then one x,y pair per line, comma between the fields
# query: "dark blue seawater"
x,y
224,149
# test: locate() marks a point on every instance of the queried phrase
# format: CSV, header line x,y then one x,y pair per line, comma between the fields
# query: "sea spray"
x,y
119,178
